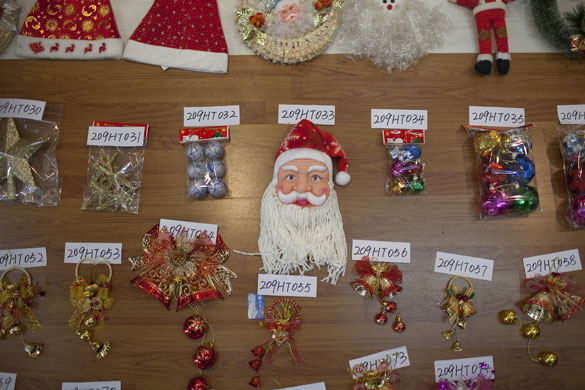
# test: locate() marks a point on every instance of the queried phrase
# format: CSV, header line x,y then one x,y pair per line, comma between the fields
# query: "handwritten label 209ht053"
x,y
7,381
190,229
472,267
496,116
399,119
113,385
291,114
75,251
391,252
22,108
565,261
463,369
399,358
571,114
287,285
26,258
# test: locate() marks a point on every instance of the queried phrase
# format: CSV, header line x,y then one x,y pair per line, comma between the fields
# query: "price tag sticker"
x,y
125,137
496,116
399,119
75,251
386,251
287,285
312,386
565,261
190,229
211,116
114,385
7,381
472,267
398,356
291,114
26,258
22,108
571,114
463,369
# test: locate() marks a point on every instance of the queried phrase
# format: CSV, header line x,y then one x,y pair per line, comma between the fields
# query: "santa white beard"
x,y
297,239
302,23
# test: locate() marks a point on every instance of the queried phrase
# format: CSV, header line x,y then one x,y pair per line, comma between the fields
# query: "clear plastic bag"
x,y
206,168
571,140
114,176
506,171
28,165
8,22
406,167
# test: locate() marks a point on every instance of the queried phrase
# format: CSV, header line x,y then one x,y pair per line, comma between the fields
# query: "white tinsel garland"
x,y
394,38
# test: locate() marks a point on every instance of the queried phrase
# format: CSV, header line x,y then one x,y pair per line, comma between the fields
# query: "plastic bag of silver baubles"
x,y
506,171
571,140
406,166
206,168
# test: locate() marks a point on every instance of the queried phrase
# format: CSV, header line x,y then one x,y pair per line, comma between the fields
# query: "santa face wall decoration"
x,y
291,18
300,223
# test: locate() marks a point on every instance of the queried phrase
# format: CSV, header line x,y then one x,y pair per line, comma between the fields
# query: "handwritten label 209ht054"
x,y
399,358
131,136
190,229
472,267
496,116
211,116
565,261
113,385
462,369
287,285
399,119
22,108
571,114
7,381
75,251
26,258
291,114
391,252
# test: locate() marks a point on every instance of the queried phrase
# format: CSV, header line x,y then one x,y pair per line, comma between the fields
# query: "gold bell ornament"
x,y
552,300
16,300
91,299
382,280
457,306
379,377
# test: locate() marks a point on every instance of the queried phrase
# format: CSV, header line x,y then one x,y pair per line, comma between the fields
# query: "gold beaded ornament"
x,y
458,306
91,299
16,300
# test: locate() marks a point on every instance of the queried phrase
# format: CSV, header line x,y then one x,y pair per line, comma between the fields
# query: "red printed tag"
x,y
390,137
218,133
118,124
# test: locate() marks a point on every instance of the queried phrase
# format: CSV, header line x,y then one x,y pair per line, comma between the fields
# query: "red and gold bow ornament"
x,y
458,307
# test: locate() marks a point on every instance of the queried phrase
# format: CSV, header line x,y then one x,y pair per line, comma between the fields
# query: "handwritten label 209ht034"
x,y
571,114
211,116
472,267
496,116
112,385
26,258
399,119
22,108
385,251
462,369
7,381
287,285
565,261
190,229
399,358
291,114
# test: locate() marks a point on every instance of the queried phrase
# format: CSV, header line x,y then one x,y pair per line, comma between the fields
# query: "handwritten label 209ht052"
x,y
7,381
291,114
399,119
287,285
565,261
22,108
113,385
472,267
462,369
391,252
26,258
190,229
496,116
399,358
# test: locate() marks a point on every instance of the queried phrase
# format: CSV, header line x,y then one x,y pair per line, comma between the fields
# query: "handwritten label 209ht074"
x,y
463,369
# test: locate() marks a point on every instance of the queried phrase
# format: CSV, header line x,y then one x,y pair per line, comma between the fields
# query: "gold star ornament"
x,y
15,153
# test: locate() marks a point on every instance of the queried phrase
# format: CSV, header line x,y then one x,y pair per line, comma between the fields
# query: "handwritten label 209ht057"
x,y
287,285
26,258
472,267
571,114
462,369
131,136
211,116
291,114
565,261
399,119
399,358
391,252
75,251
7,381
190,229
496,116
113,385
22,108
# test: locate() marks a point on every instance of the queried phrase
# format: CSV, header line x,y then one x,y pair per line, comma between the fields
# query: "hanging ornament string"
x,y
458,306
91,299
197,327
283,318
16,300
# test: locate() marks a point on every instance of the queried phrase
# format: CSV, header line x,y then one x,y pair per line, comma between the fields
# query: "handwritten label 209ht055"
x,y
291,114
472,267
287,285
26,258
399,358
131,136
7,381
211,116
113,385
462,369
22,108
391,252
496,116
571,114
399,119
190,229
565,261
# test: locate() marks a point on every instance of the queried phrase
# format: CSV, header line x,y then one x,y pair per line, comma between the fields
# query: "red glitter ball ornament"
x,y
198,383
391,307
380,319
204,357
194,327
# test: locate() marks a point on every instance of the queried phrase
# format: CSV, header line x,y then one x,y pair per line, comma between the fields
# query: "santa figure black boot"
x,y
503,62
484,64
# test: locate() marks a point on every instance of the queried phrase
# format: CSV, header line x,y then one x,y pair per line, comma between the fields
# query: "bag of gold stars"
x,y
116,158
28,166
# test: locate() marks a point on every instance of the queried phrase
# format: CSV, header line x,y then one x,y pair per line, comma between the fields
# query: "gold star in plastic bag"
x,y
14,155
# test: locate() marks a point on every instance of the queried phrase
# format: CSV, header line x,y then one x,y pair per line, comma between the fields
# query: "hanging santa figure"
x,y
300,222
291,18
490,14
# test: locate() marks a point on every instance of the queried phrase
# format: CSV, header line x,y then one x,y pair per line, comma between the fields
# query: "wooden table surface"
x,y
149,351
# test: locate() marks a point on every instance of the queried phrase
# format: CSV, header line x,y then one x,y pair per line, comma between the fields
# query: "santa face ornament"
x,y
291,18
300,225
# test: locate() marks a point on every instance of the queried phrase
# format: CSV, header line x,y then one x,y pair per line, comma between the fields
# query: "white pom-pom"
x,y
342,178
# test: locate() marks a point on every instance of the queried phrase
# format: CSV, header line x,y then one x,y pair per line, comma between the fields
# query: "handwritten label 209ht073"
x,y
398,359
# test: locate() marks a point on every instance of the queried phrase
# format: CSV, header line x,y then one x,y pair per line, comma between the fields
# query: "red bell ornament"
x,y
194,327
204,357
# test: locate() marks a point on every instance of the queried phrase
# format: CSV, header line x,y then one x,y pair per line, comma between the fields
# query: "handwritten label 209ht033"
x,y
211,116
22,108
291,114
25,257
399,358
190,229
287,285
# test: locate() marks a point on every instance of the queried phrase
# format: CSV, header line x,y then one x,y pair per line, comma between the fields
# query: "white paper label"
x,y
75,251
7,381
22,108
26,258
463,369
114,385
124,137
211,116
496,116
571,114
399,119
191,229
399,358
287,285
291,114
313,386
472,267
386,251
565,261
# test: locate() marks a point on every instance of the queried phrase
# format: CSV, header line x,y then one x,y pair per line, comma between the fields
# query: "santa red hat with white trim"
x,y
306,140
70,30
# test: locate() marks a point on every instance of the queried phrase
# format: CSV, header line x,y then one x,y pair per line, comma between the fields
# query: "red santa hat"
x,y
184,35
306,140
70,30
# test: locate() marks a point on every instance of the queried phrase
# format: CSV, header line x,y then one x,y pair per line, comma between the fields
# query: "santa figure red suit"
x,y
490,14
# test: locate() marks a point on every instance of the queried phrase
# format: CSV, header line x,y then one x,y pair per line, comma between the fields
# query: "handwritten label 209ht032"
x,y
26,258
211,116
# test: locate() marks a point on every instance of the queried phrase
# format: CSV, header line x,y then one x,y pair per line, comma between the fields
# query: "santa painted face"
x,y
291,18
288,12
303,182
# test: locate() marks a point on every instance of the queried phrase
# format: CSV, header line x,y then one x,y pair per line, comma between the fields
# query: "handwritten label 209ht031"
x,y
190,229
130,136
22,108
287,285
291,114
25,257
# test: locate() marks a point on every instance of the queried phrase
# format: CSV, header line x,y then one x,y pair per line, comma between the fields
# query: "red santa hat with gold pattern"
x,y
306,140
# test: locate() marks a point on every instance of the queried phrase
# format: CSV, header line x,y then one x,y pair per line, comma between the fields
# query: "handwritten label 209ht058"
x,y
571,114
496,116
291,114
113,385
462,369
399,358
131,136
391,252
211,116
565,261
287,285
22,108
7,381
399,119
190,229
26,258
472,267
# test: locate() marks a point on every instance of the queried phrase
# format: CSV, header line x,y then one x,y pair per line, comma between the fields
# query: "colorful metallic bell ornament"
x,y
531,330
398,325
255,364
33,349
101,350
390,306
255,381
198,383
204,357
524,199
494,203
194,327
509,317
456,347
540,307
381,318
548,359
524,170
486,143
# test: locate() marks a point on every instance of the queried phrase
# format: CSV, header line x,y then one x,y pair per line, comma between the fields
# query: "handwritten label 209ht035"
x,y
22,108
399,119
287,285
462,369
211,116
496,116
113,385
399,358
291,114
565,261
26,258
385,251
472,267
7,381
190,229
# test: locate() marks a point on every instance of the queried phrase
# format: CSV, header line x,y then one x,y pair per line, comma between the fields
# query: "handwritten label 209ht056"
x,y
565,261
131,136
211,116
386,251
7,381
399,358
75,251
26,258
472,267
462,369
291,114
496,116
113,385
399,119
190,229
287,285
22,108
571,114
